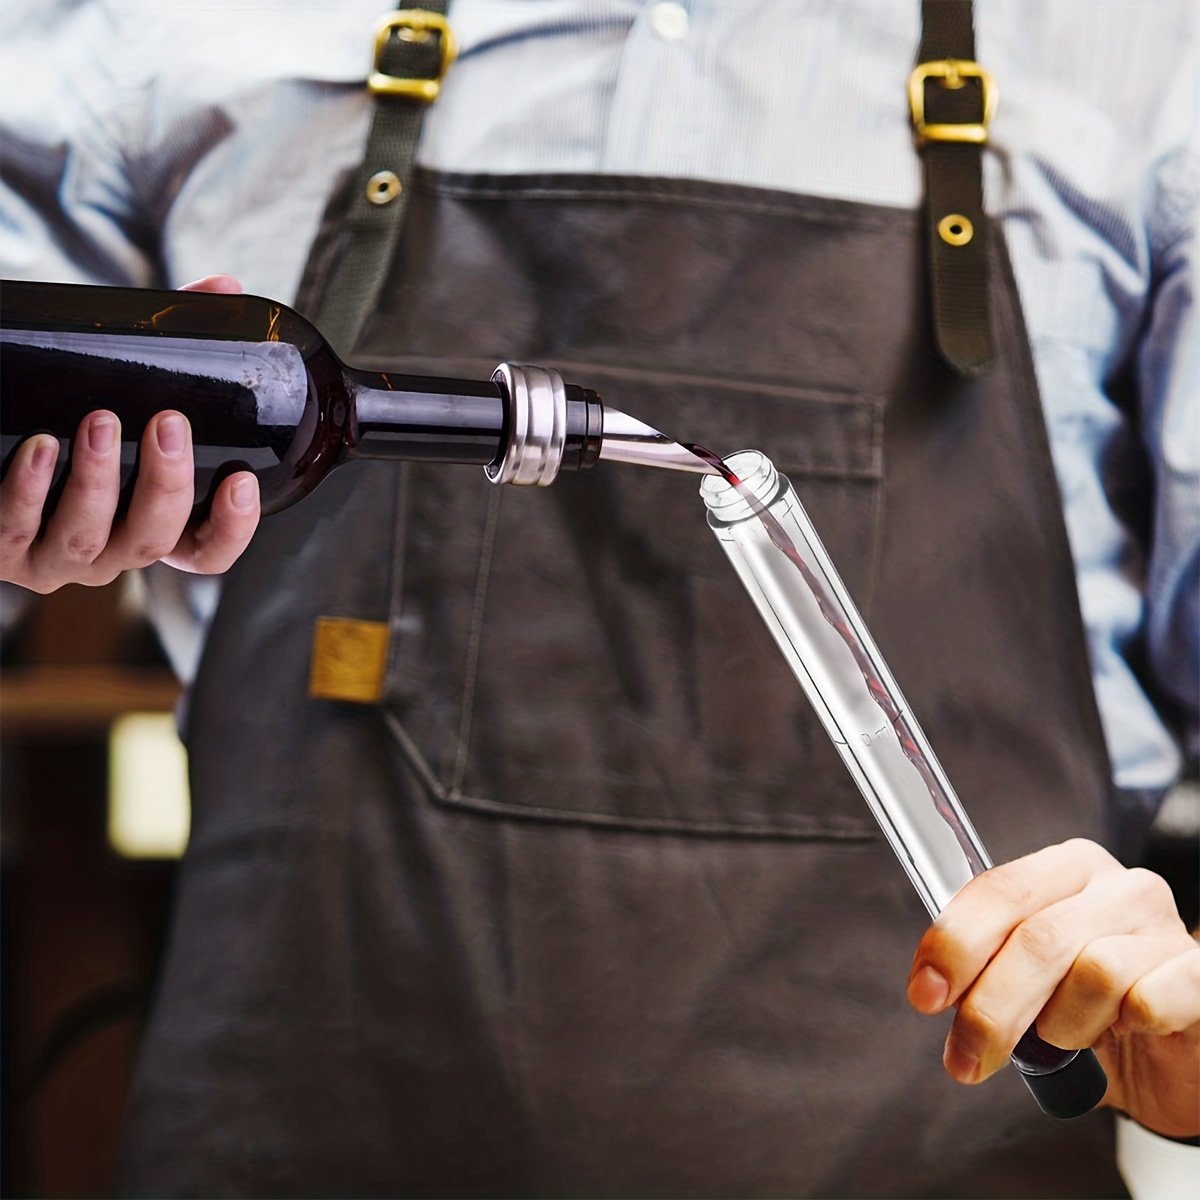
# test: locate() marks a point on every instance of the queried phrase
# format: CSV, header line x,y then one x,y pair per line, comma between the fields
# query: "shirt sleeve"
x,y
67,209
1154,1167
1169,391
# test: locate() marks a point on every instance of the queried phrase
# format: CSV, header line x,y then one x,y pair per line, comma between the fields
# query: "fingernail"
x,y
928,991
172,434
962,1066
102,432
45,455
243,493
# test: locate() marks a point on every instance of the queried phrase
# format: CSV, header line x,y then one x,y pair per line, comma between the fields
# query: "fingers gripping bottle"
x,y
767,536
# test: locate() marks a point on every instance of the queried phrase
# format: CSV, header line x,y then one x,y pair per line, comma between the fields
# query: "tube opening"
x,y
726,505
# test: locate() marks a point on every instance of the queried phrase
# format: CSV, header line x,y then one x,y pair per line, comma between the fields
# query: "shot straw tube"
x,y
796,589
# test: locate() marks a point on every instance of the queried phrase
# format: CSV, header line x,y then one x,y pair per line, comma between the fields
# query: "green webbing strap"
x,y
413,49
951,100
950,109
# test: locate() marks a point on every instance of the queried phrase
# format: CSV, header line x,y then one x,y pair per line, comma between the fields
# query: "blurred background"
x,y
94,814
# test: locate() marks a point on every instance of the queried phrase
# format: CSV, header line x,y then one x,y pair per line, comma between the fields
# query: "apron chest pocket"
x,y
584,652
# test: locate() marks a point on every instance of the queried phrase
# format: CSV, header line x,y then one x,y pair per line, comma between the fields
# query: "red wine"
x,y
261,387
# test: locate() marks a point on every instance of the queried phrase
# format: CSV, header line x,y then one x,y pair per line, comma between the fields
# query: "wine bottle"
x,y
265,392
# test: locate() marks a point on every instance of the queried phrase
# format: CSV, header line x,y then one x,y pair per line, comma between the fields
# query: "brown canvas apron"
x,y
587,905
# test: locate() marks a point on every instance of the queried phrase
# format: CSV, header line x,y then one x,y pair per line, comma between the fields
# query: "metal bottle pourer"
x,y
629,440
554,425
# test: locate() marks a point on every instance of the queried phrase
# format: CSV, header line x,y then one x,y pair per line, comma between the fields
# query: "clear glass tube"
x,y
780,560
829,649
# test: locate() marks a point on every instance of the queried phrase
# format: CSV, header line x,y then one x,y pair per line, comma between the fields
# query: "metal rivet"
x,y
955,229
383,187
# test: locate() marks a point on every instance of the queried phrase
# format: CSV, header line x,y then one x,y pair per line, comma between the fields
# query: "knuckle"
x,y
978,1025
165,483
84,547
1058,1026
163,474
96,479
1089,851
1151,890
1041,936
1096,972
15,541
1014,880
1138,1012
1006,886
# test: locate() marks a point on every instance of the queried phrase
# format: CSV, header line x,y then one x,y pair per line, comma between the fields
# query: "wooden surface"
x,y
80,696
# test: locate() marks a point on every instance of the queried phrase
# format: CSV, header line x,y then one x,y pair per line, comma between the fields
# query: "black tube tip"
x,y
1074,1089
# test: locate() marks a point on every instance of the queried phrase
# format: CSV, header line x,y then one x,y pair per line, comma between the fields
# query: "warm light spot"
x,y
149,811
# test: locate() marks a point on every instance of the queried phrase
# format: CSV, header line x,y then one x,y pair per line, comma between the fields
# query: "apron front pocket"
x,y
585,652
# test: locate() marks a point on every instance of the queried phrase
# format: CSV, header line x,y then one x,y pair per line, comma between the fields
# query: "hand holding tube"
x,y
1096,953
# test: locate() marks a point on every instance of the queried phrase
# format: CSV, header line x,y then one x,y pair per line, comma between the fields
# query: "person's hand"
x,y
83,541
1096,953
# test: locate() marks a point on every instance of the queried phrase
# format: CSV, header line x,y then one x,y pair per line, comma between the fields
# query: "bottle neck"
x,y
424,418
524,425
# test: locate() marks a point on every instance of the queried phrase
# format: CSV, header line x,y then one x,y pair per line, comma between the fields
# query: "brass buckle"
x,y
414,25
951,73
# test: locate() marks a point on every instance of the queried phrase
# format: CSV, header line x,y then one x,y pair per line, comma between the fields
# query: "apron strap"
x,y
952,99
950,95
414,48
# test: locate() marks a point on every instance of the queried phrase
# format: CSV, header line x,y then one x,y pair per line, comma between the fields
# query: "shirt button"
x,y
669,21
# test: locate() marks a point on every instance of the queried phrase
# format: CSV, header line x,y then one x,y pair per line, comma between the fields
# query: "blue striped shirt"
x,y
151,144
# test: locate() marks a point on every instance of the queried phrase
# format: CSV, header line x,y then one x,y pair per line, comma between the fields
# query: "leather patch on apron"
x,y
349,659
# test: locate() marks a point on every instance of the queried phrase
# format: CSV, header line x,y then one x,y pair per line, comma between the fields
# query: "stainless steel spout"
x,y
552,425
628,440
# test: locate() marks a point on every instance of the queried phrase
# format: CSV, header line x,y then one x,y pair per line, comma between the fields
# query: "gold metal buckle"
x,y
951,73
414,25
